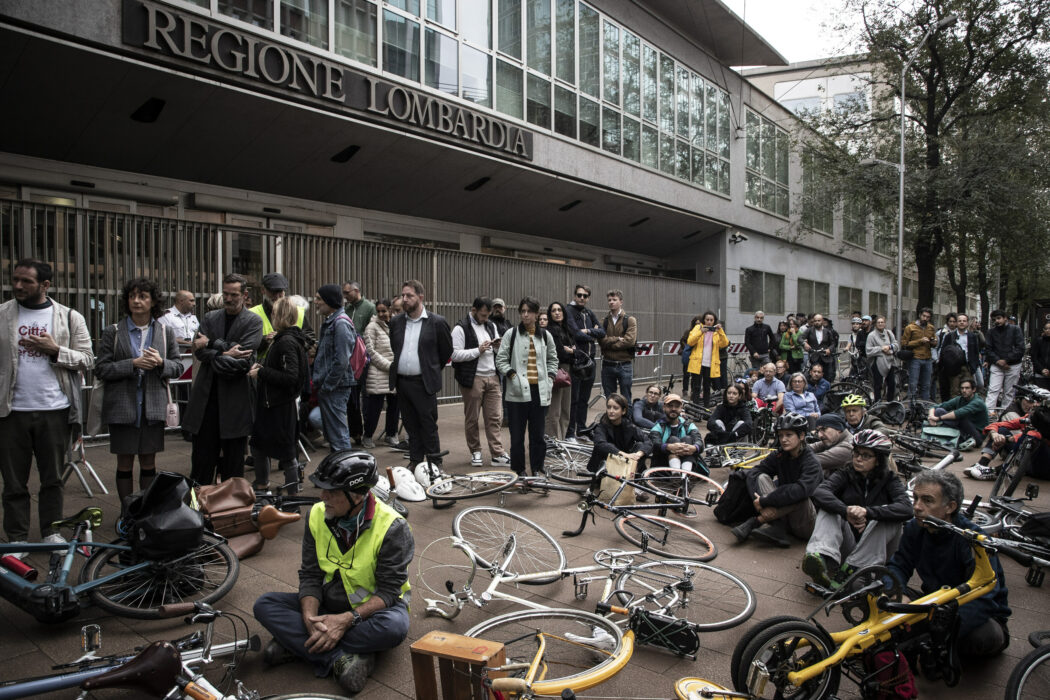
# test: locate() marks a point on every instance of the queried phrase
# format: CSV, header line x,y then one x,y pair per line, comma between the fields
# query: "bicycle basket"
x,y
676,635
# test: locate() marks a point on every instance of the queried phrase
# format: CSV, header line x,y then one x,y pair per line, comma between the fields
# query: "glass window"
x,y
712,118
476,22
611,54
510,27
814,297
306,20
355,30
850,102
681,159
632,144
538,105
441,63
649,84
854,221
878,304
667,153
400,46
509,89
697,166
818,212
683,103
666,94
886,237
411,6
257,12
723,123
565,23
443,12
477,77
538,21
850,300
761,291
696,108
564,112
632,77
650,146
590,51
711,173
767,166
611,130
590,115
803,106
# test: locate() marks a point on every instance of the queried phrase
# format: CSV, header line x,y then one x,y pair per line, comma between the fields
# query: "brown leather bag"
x,y
232,522
230,494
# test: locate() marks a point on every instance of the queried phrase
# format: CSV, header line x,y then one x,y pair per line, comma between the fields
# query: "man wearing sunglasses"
x,y
353,579
586,331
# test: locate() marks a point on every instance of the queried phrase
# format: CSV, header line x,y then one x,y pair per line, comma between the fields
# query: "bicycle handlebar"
x,y
1021,557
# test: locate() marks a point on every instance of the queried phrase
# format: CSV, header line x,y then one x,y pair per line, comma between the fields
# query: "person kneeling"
x,y
676,441
860,510
353,580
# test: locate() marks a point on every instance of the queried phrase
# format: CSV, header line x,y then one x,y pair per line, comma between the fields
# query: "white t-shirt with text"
x,y
36,385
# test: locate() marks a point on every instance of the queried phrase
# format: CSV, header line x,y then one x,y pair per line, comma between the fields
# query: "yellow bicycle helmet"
x,y
854,400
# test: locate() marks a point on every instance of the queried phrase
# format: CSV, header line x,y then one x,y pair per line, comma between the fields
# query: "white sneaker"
x,y
571,438
55,538
981,472
475,459
18,555
501,461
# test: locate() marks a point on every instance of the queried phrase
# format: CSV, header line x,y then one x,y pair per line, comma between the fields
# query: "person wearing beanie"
x,y
275,285
333,377
835,449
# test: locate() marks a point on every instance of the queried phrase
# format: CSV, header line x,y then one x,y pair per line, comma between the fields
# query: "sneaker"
x,y
572,439
967,444
55,538
368,443
774,533
815,566
475,459
276,654
500,461
981,472
390,441
352,671
18,555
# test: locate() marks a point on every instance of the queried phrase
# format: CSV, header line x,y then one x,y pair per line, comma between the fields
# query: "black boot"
x,y
774,532
743,530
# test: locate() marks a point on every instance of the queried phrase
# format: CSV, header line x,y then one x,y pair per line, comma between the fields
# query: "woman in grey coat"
x,y
881,347
136,358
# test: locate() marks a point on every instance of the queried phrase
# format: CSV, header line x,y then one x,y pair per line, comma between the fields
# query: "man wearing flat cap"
x,y
835,449
275,286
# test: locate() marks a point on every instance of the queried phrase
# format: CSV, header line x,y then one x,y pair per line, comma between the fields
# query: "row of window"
x,y
764,291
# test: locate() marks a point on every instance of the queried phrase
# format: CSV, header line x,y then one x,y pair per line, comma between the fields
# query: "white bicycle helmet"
x,y
424,472
382,484
406,486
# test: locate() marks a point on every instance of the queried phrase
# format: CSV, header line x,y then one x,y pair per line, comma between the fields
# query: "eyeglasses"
x,y
582,296
863,455
653,392
328,556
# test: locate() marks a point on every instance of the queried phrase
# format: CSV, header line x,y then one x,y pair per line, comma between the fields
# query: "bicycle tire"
x,y
781,649
745,640
564,658
461,486
1013,470
718,600
921,446
206,575
679,541
668,480
1030,678
568,464
685,688
745,456
486,530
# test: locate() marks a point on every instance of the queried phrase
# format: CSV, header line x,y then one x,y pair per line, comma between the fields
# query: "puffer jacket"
x,y
380,355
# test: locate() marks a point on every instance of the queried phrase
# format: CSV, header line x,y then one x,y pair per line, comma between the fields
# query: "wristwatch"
x,y
357,618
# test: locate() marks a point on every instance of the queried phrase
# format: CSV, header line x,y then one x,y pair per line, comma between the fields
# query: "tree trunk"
x,y
982,278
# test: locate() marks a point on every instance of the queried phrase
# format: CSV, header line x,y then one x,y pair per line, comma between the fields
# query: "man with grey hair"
x,y
944,559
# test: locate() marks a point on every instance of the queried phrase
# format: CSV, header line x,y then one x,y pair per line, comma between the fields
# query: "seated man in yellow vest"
x,y
353,580
275,286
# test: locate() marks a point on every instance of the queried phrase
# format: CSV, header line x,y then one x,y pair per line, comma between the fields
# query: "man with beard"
x,y
498,317
275,286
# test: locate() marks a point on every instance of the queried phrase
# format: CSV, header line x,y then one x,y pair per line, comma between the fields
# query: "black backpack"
x,y
952,359
735,505
159,521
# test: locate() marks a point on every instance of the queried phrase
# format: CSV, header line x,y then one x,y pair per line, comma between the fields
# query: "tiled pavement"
x,y
30,648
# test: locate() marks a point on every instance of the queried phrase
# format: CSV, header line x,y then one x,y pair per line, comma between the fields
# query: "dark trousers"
x,y
877,381
353,413
702,384
210,450
420,413
281,615
23,436
963,425
372,404
581,396
531,415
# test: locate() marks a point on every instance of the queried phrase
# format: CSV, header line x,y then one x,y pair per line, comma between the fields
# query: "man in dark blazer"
x,y
219,414
422,345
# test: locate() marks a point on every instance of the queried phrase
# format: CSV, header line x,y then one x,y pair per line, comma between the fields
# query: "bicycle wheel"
x,y
744,456
580,649
685,688
459,486
567,463
735,666
717,599
1013,470
487,530
206,575
1031,677
677,483
784,648
666,537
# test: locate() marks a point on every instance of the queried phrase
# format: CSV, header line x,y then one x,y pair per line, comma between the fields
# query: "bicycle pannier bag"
x,y
159,521
618,466
893,675
949,437
734,505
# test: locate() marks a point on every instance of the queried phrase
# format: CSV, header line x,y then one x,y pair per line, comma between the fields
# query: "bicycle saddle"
x,y
152,672
270,520
93,514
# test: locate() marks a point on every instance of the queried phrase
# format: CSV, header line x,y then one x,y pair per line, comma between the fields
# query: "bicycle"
x,y
115,578
799,658
1030,678
1027,534
907,416
1016,465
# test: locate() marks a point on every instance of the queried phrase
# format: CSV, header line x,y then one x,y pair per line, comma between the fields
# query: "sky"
x,y
793,27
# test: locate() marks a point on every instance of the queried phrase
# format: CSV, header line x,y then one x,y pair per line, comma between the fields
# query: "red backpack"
x,y
359,357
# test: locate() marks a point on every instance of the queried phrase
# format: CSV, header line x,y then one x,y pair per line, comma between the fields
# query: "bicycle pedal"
x,y
580,589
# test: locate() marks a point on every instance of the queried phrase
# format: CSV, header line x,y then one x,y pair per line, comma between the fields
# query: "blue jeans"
x,y
613,373
281,615
919,375
333,417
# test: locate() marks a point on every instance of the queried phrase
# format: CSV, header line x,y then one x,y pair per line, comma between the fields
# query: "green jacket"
x,y
786,345
360,313
973,410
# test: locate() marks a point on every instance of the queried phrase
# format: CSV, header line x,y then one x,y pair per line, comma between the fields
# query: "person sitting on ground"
x,y
731,420
769,389
676,441
860,510
1005,434
782,485
834,451
966,412
800,401
353,579
855,411
616,433
783,372
647,411
817,385
943,559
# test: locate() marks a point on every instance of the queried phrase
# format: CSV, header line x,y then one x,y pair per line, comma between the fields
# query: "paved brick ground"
x,y
30,648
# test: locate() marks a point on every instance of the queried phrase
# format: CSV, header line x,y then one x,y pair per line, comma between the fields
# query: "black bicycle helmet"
x,y
873,440
793,421
346,470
